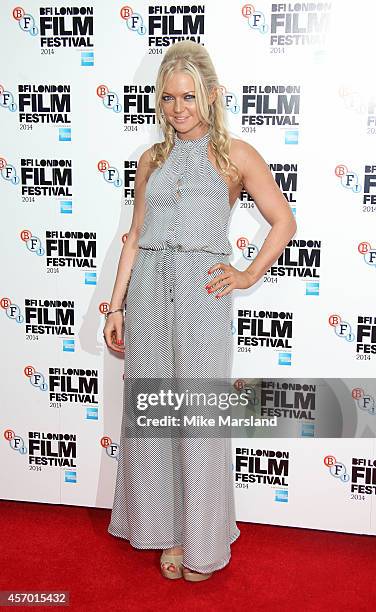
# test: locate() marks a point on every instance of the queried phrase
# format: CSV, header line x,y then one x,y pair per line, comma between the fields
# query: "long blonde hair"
x,y
192,58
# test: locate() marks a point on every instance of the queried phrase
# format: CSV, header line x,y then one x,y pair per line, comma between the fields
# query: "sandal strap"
x,y
186,570
169,558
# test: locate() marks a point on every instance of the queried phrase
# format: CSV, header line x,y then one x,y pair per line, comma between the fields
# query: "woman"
x,y
177,494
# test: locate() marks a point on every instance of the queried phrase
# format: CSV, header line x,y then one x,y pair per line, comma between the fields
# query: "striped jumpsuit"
x,y
172,492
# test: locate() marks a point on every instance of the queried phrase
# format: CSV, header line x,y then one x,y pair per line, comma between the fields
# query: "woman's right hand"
x,y
113,331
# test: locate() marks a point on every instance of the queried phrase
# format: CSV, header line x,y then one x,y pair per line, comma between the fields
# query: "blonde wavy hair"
x,y
192,58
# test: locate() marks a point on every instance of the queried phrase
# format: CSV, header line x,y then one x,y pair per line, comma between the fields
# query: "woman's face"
x,y
178,104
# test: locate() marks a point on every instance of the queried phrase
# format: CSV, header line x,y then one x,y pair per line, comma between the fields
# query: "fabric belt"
x,y
166,265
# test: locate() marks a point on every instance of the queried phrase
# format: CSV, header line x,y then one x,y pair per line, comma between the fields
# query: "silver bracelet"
x,y
112,311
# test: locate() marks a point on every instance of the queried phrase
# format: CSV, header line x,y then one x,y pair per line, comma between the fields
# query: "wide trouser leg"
x,y
148,500
203,347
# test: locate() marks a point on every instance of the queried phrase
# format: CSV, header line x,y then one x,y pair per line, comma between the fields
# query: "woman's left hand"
x,y
234,278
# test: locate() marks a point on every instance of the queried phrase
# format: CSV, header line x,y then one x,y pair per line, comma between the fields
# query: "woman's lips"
x,y
180,119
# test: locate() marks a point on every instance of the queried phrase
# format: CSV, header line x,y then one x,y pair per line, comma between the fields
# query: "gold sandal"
x,y
195,576
171,565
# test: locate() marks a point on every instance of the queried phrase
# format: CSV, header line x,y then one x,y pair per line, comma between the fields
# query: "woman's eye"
x,y
187,97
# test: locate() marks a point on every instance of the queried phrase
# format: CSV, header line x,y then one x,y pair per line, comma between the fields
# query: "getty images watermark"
x,y
195,407
250,408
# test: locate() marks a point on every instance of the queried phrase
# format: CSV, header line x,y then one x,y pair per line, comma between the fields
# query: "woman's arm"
x,y
130,247
113,329
269,199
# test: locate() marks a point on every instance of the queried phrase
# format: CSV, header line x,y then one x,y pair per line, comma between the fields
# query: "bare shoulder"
x,y
144,166
243,152
145,158
249,161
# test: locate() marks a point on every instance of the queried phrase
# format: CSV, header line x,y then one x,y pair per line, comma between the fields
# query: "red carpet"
x,y
48,547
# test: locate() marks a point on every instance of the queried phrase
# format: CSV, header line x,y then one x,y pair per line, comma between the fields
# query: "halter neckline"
x,y
191,141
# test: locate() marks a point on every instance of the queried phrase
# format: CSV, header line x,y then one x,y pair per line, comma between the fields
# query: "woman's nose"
x,y
178,105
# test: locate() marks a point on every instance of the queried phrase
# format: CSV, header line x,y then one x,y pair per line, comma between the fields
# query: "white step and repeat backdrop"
x,y
76,111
